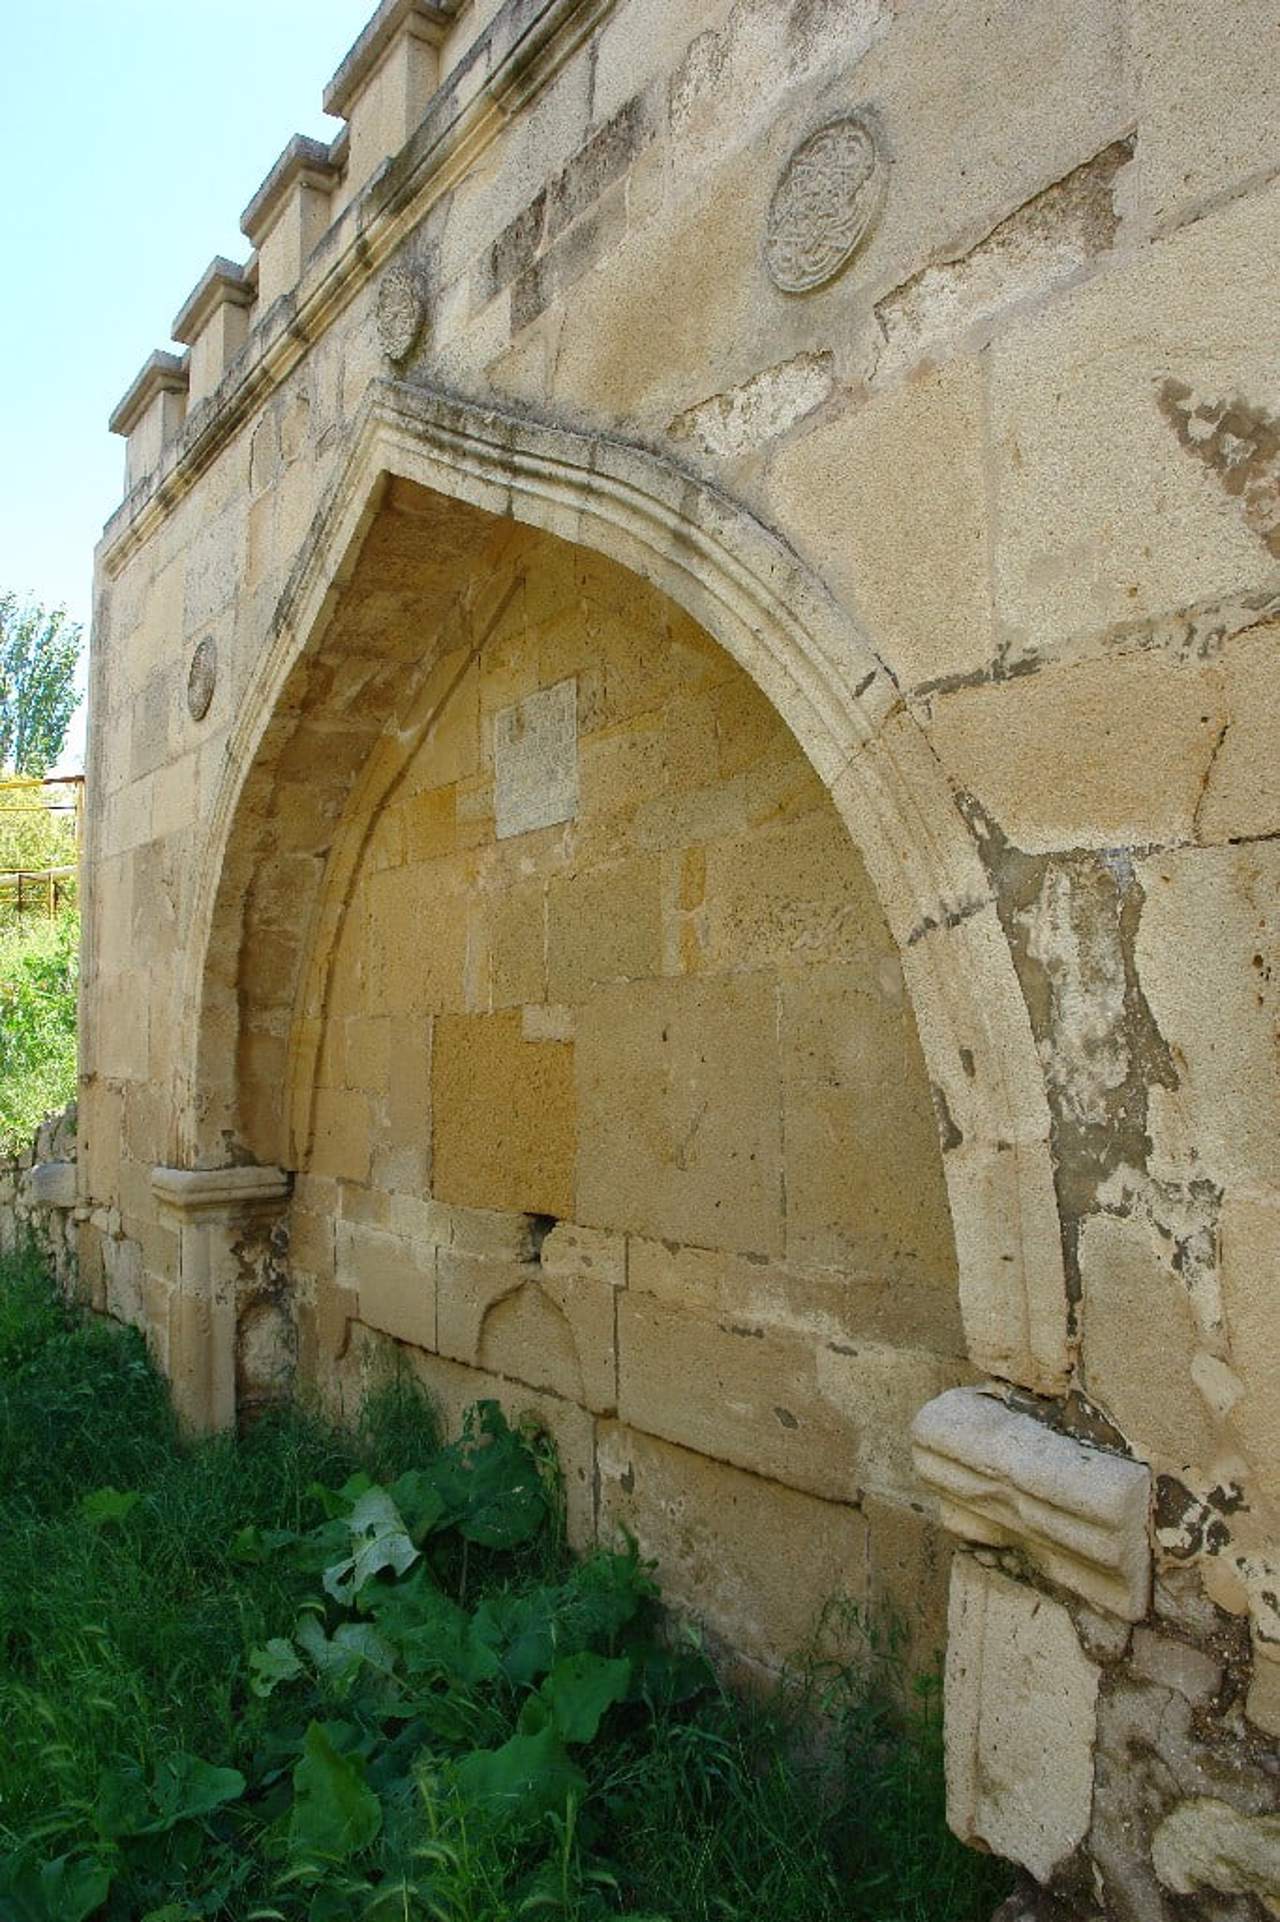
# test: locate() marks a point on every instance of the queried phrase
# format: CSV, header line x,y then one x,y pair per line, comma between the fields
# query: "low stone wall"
x,y
38,1197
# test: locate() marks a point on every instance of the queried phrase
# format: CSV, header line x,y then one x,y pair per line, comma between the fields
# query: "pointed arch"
x,y
257,933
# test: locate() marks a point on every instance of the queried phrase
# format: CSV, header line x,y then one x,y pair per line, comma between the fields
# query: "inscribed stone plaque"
x,y
535,761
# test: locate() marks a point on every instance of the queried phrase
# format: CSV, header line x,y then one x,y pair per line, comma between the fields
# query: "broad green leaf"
x,y
506,1503
108,1505
335,1813
580,1689
340,1658
67,1889
338,1503
519,1782
278,1662
182,1788
421,1501
379,1540
523,1629
257,1545
434,1636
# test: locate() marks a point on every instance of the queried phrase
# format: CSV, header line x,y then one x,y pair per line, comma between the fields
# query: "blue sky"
x,y
136,133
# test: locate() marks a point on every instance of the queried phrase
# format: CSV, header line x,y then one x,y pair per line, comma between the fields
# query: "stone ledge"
x,y
192,1190
162,373
303,159
52,1184
1003,1479
418,17
222,280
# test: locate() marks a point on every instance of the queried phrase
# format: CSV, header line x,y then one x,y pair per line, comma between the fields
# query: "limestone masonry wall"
x,y
38,1203
685,831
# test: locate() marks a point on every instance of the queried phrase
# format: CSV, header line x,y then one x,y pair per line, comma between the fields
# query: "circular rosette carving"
x,y
202,678
402,311
825,204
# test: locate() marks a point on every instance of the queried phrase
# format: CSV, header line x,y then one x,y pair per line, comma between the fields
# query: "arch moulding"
x,y
779,622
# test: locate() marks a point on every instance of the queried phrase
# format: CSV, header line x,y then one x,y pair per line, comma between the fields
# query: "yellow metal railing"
x,y
35,890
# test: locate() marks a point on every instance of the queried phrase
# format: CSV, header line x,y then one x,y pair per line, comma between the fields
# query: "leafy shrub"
x,y
39,968
314,1675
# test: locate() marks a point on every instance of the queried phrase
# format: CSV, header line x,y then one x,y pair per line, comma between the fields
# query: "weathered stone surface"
x,y
1015,1671
704,1523
1003,1477
1206,1844
52,1184
893,496
1140,1326
1207,102
764,408
504,1125
1206,961
1103,519
1058,758
658,1156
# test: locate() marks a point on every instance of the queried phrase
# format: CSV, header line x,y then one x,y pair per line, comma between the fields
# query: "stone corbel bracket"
x,y
1004,1479
213,1207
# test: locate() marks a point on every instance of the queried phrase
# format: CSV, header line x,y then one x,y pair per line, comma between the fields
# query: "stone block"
x,y
1206,1846
1002,1478
1249,1264
1141,1340
706,1525
890,500
572,1253
52,1184
830,1305
555,1333
1208,97
604,925
1021,1721
1063,758
418,943
762,409
865,1186
879,1391
792,895
340,1135
908,1577
1105,517
1170,1663
311,1243
505,1128
1241,799
395,1282
679,1113
1205,951
958,303
518,947
747,1394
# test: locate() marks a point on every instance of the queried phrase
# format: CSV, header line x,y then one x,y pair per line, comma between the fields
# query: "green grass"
x,y
38,973
204,1717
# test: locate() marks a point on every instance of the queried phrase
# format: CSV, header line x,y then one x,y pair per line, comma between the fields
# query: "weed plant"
x,y
313,1674
38,973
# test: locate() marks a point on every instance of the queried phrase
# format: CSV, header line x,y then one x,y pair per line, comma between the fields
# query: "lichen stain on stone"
x,y
1239,444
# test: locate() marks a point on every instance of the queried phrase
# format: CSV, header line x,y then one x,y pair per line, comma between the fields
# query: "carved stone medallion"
x,y
824,205
402,311
202,679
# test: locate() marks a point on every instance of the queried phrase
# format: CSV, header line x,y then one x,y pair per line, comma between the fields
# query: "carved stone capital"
x,y
1004,1479
199,1190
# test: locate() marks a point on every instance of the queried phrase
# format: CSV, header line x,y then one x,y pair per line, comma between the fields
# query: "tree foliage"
x,y
37,829
39,649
